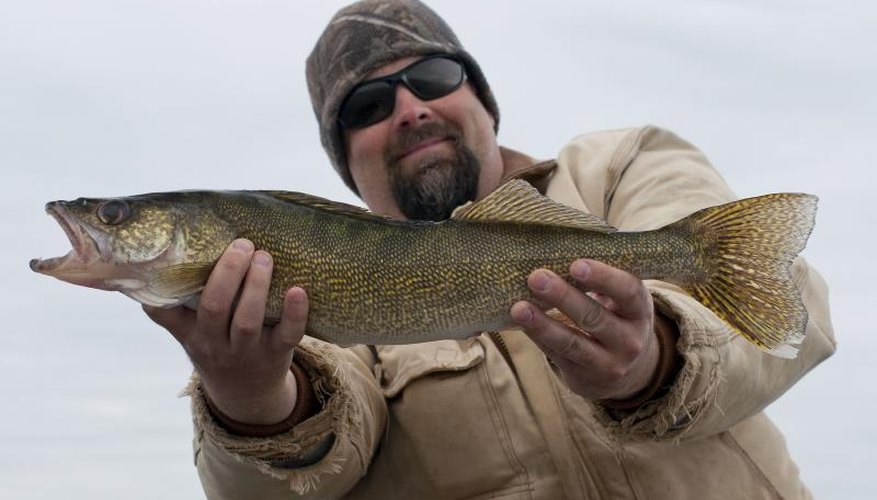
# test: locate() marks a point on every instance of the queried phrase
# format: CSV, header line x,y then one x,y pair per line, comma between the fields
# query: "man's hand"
x,y
612,353
244,366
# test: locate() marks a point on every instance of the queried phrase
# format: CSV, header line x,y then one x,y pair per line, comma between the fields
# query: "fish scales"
x,y
436,280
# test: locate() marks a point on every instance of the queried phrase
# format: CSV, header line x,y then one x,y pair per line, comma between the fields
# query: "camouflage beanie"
x,y
365,36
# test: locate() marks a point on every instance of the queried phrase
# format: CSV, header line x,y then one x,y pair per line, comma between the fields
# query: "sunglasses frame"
x,y
397,78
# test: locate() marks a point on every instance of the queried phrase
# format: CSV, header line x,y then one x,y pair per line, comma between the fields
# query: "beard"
x,y
438,183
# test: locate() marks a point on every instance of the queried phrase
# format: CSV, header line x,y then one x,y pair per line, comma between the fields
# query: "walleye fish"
x,y
375,280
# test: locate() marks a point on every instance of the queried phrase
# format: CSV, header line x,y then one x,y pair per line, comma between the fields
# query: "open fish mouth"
x,y
76,263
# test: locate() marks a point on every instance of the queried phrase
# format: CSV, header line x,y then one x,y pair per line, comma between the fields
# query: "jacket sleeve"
x,y
646,179
322,457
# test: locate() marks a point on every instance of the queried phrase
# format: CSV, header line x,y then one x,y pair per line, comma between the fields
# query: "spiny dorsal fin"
x,y
318,203
181,280
518,201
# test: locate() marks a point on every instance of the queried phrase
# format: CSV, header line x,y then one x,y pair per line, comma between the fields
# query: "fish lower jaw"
x,y
88,272
72,264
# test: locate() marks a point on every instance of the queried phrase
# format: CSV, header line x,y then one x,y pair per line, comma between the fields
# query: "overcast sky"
x,y
116,97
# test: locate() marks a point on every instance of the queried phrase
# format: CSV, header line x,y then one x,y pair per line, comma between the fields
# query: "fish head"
x,y
138,245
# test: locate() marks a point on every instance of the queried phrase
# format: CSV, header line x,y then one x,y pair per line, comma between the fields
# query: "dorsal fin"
x,y
318,203
518,201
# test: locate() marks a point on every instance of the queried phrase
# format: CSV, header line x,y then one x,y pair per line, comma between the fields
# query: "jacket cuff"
x,y
305,406
320,364
669,363
702,338
338,441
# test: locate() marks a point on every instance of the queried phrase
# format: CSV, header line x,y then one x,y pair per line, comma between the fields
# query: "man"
x,y
642,394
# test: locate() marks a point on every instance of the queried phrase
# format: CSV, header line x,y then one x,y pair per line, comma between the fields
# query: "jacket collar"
x,y
517,165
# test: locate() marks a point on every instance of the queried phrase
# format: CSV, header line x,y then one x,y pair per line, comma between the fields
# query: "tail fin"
x,y
747,248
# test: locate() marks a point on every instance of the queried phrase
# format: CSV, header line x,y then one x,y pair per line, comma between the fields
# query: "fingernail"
x,y
522,313
262,259
541,280
297,294
580,269
243,244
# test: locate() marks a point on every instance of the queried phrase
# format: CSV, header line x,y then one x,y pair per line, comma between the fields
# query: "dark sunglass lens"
x,y
367,104
434,78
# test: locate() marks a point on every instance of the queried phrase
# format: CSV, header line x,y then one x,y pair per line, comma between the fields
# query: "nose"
x,y
410,110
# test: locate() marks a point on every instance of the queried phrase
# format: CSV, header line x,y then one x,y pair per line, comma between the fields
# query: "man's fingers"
x,y
289,332
179,321
557,339
575,304
249,314
215,305
627,294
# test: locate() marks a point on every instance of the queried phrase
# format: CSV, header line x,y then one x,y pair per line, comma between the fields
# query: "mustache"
x,y
410,137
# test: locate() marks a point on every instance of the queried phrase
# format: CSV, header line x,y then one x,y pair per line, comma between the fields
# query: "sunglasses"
x,y
373,100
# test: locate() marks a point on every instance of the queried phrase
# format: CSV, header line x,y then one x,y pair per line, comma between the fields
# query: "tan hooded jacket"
x,y
488,417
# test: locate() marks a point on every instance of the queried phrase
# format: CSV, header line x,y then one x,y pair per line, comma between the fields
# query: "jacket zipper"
x,y
503,349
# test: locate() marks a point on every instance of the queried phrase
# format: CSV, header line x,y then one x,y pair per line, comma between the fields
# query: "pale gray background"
x,y
104,98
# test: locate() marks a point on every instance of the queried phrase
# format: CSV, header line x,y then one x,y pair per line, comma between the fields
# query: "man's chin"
x,y
433,186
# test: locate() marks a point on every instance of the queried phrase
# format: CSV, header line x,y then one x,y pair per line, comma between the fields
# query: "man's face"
x,y
427,157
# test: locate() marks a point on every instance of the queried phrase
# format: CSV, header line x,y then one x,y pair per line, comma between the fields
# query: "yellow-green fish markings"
x,y
375,280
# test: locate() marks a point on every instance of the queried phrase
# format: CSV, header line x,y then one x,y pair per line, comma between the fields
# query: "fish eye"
x,y
113,212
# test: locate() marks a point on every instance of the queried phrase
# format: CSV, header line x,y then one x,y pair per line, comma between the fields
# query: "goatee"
x,y
438,183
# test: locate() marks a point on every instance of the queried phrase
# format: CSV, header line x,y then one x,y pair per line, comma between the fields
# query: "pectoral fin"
x,y
181,280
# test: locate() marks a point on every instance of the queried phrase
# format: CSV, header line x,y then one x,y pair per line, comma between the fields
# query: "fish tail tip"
x,y
785,351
